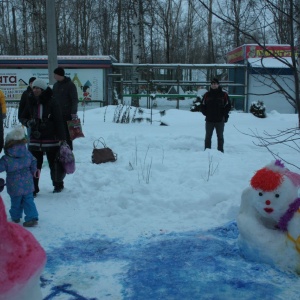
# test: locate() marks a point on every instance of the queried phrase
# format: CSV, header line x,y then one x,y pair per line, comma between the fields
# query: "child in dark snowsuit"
x,y
20,167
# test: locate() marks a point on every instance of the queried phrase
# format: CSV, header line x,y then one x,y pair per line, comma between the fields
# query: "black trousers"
x,y
51,155
68,138
209,129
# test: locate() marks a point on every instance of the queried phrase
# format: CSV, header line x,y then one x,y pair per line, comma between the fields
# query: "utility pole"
x,y
51,39
15,31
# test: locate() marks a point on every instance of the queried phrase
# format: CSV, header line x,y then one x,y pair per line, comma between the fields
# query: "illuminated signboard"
x,y
251,51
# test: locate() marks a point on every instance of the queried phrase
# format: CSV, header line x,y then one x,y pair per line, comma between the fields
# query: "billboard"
x,y
252,51
236,55
89,82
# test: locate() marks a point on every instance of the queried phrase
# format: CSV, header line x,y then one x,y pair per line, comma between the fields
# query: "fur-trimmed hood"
x,y
15,137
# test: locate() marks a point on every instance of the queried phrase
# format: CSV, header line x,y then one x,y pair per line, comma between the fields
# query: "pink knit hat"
x,y
294,177
22,260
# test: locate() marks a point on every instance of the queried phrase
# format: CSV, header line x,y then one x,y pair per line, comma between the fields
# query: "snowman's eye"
x,y
277,195
260,193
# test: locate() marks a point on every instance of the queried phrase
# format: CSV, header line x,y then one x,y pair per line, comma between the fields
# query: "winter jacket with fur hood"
x,y
20,166
43,116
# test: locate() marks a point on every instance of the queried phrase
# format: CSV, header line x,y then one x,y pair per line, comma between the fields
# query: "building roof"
x,y
65,61
270,62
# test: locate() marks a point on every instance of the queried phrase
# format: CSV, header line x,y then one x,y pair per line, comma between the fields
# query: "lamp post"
x,y
51,39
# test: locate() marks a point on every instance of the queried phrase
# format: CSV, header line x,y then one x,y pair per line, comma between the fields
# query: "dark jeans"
x,y
51,155
209,128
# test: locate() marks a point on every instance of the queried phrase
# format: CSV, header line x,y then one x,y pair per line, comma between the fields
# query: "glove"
x,y
74,116
63,142
3,116
37,173
30,123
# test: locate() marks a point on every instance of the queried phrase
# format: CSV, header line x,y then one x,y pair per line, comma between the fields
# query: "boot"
x,y
58,187
30,223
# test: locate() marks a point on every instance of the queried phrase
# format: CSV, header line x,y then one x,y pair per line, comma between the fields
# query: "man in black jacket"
x,y
215,107
65,92
24,97
24,101
43,116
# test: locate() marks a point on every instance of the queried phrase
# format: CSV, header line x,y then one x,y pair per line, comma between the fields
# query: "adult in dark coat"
x,y
24,100
215,107
43,116
24,97
65,92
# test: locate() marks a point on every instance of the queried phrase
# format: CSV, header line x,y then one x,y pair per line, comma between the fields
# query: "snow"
x,y
160,222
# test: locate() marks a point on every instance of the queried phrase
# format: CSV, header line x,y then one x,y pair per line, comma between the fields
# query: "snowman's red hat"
x,y
266,180
271,177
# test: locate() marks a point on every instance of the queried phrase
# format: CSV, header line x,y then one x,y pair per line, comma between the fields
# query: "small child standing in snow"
x,y
20,167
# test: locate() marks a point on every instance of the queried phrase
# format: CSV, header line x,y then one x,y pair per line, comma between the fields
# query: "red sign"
x,y
236,55
251,51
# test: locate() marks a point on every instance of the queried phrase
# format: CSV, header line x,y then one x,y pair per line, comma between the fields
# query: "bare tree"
x,y
168,16
136,48
279,10
118,56
288,138
210,48
189,30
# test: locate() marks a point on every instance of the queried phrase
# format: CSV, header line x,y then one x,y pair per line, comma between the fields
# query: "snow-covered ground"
x,y
160,222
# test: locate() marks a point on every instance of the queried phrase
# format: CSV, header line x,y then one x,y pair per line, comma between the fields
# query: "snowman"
x,y
22,260
269,218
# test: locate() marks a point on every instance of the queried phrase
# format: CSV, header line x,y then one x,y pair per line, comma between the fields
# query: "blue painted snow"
x,y
189,265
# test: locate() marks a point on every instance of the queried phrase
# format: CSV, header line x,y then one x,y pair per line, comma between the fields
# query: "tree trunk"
x,y
136,50
210,55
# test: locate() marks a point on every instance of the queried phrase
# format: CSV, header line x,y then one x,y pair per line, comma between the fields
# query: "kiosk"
x,y
268,74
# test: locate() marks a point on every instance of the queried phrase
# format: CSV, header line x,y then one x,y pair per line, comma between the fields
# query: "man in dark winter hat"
x,y
65,92
59,71
43,116
215,107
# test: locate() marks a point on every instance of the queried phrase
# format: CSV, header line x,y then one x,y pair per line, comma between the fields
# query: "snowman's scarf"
x,y
288,215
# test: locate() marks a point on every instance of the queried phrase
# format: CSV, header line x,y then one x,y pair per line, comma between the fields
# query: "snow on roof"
x,y
45,57
269,62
